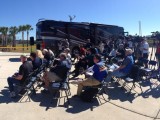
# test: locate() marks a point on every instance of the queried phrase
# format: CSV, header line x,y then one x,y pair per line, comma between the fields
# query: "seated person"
x,y
89,57
51,54
36,61
83,62
57,73
125,68
67,51
120,52
82,50
39,54
113,64
99,74
24,70
47,56
111,54
68,57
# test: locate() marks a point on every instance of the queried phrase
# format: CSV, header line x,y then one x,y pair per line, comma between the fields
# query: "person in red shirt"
x,y
82,50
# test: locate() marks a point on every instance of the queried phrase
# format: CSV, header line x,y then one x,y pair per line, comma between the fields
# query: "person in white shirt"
x,y
60,46
68,57
67,51
101,47
112,54
145,49
130,44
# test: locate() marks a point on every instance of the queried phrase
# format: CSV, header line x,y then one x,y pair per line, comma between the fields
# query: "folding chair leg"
x,y
104,98
99,100
59,97
33,90
141,89
69,92
67,97
29,98
118,79
131,89
124,84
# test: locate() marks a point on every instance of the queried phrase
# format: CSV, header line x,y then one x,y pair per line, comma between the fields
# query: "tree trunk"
x,y
13,42
23,39
6,40
27,38
2,40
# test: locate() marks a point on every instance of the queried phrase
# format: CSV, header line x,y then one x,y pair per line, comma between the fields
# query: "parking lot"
x,y
142,106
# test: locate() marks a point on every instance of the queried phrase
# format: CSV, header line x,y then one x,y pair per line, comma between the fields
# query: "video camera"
x,y
137,39
156,36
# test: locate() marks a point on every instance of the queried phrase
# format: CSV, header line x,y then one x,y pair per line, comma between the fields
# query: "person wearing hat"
x,y
18,78
99,74
126,66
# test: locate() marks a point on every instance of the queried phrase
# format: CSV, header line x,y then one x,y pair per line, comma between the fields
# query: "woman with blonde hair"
x,y
39,54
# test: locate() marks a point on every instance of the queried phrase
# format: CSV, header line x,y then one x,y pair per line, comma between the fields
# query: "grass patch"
x,y
20,49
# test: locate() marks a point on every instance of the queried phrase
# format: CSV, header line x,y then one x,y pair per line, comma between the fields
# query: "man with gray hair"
x,y
125,68
18,78
57,73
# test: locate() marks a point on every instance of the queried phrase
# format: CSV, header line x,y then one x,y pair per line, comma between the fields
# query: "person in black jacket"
x,y
58,72
120,52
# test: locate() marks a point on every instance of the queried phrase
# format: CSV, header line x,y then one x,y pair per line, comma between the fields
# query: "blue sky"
x,y
125,13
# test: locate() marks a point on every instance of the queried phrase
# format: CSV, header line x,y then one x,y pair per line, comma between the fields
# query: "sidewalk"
x,y
11,54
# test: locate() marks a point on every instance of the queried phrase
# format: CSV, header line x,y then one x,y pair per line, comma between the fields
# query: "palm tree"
x,y
13,31
4,31
28,28
22,28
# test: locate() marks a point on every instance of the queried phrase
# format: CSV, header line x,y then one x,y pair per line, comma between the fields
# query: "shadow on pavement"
x,y
14,60
154,92
78,105
146,83
115,92
4,97
46,100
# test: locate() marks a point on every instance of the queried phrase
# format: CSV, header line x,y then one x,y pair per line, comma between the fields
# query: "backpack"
x,y
88,94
